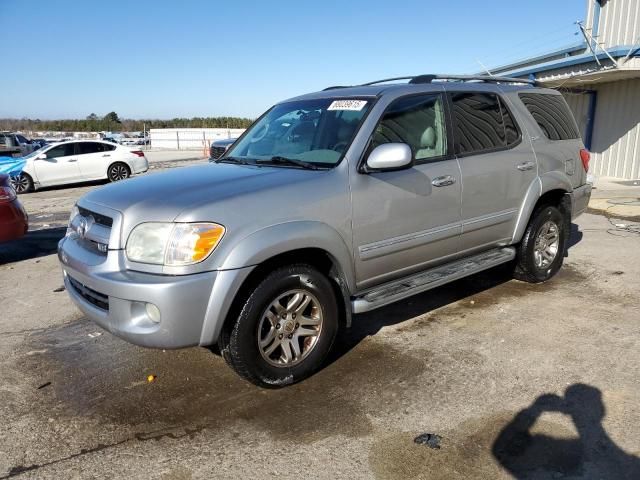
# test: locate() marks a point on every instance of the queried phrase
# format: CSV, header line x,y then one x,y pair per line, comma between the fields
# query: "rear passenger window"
x,y
418,121
89,147
552,113
482,123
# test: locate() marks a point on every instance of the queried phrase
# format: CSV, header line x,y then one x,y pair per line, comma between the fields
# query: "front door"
x,y
60,166
408,220
497,168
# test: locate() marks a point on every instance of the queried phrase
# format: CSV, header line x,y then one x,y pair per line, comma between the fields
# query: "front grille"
x,y
96,299
216,152
97,217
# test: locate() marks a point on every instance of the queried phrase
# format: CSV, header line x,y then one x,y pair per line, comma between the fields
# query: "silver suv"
x,y
331,204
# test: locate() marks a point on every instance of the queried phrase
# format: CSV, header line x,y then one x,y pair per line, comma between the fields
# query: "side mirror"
x,y
42,156
390,156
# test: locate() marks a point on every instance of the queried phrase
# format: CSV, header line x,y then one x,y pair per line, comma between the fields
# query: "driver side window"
x,y
418,121
61,151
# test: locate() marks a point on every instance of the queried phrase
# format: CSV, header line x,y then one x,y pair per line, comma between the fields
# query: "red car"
x,y
13,218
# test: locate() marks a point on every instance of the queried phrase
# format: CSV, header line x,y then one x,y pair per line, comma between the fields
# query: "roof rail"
x,y
421,79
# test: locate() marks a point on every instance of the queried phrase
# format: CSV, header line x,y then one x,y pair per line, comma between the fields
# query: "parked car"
x,y
14,145
39,142
218,147
331,204
79,161
14,222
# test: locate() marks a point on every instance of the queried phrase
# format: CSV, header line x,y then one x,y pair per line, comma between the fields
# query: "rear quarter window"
x,y
552,114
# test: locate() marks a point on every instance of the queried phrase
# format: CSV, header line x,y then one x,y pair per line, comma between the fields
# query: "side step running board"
x,y
387,293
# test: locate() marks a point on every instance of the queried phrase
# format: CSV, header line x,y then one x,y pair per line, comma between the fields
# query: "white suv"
x,y
79,161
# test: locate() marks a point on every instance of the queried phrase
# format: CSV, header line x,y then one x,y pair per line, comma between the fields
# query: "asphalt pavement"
x,y
487,377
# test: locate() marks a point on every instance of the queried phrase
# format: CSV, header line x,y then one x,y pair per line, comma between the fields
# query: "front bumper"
x,y
116,298
580,200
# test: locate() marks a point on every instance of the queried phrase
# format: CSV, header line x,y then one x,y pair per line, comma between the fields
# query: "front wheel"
x,y
541,252
118,171
22,183
285,329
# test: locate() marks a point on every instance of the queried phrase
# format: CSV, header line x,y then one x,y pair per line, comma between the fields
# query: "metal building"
x,y
600,78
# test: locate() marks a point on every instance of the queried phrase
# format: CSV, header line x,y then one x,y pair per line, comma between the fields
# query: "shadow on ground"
x,y
592,454
34,244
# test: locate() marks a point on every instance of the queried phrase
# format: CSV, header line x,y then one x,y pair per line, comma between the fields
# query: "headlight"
x,y
173,244
72,215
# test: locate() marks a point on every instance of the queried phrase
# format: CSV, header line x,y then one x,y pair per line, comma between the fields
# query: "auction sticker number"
x,y
355,105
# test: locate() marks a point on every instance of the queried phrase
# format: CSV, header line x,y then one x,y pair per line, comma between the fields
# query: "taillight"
x,y
138,153
7,194
585,156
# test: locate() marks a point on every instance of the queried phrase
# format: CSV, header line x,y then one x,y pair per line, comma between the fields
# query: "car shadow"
x,y
575,237
369,324
66,186
592,454
34,244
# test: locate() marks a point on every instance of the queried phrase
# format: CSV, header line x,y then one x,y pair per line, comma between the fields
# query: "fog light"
x,y
153,312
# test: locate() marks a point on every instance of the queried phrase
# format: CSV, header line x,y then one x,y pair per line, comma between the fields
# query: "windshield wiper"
x,y
241,161
291,161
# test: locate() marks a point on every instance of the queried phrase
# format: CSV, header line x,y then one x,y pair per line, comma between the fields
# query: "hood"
x,y
163,196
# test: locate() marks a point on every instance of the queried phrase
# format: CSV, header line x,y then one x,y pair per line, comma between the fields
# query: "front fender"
x,y
259,247
264,244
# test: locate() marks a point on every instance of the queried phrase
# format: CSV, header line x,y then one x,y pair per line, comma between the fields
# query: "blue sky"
x,y
165,59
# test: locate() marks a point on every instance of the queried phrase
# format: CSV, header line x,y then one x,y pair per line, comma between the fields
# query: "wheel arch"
x,y
552,188
312,243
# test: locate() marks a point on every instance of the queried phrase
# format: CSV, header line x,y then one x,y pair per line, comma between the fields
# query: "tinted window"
x,y
89,147
511,130
61,151
478,122
417,121
552,113
106,147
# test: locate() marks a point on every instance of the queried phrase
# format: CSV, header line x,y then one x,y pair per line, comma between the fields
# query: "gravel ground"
x,y
494,378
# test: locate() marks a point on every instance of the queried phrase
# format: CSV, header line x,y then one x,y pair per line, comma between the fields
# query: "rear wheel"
x,y
541,252
22,183
285,329
118,171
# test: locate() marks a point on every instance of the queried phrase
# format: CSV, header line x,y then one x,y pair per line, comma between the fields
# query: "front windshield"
x,y
311,132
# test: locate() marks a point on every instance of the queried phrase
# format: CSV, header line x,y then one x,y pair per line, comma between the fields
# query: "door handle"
x,y
106,155
523,167
443,181
72,160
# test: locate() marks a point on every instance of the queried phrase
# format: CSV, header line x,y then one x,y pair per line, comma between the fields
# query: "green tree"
x,y
112,117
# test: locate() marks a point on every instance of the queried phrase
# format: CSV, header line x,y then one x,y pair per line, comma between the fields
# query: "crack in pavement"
x,y
156,435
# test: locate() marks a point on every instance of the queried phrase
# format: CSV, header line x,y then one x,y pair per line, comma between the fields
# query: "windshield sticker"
x,y
355,105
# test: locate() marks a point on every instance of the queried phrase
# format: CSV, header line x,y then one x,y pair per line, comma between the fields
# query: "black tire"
x,y
118,171
528,267
23,183
239,340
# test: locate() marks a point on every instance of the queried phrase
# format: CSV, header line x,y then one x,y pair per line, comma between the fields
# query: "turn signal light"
x,y
585,156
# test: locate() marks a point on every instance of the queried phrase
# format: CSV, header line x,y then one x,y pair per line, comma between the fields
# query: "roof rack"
x,y
429,78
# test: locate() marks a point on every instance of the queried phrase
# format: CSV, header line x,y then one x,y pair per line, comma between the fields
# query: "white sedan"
x,y
79,161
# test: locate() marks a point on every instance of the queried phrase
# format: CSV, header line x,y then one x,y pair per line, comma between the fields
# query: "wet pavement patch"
x,y
105,379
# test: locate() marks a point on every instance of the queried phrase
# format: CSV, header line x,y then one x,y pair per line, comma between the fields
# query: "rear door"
x,y
408,220
60,166
93,159
497,168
